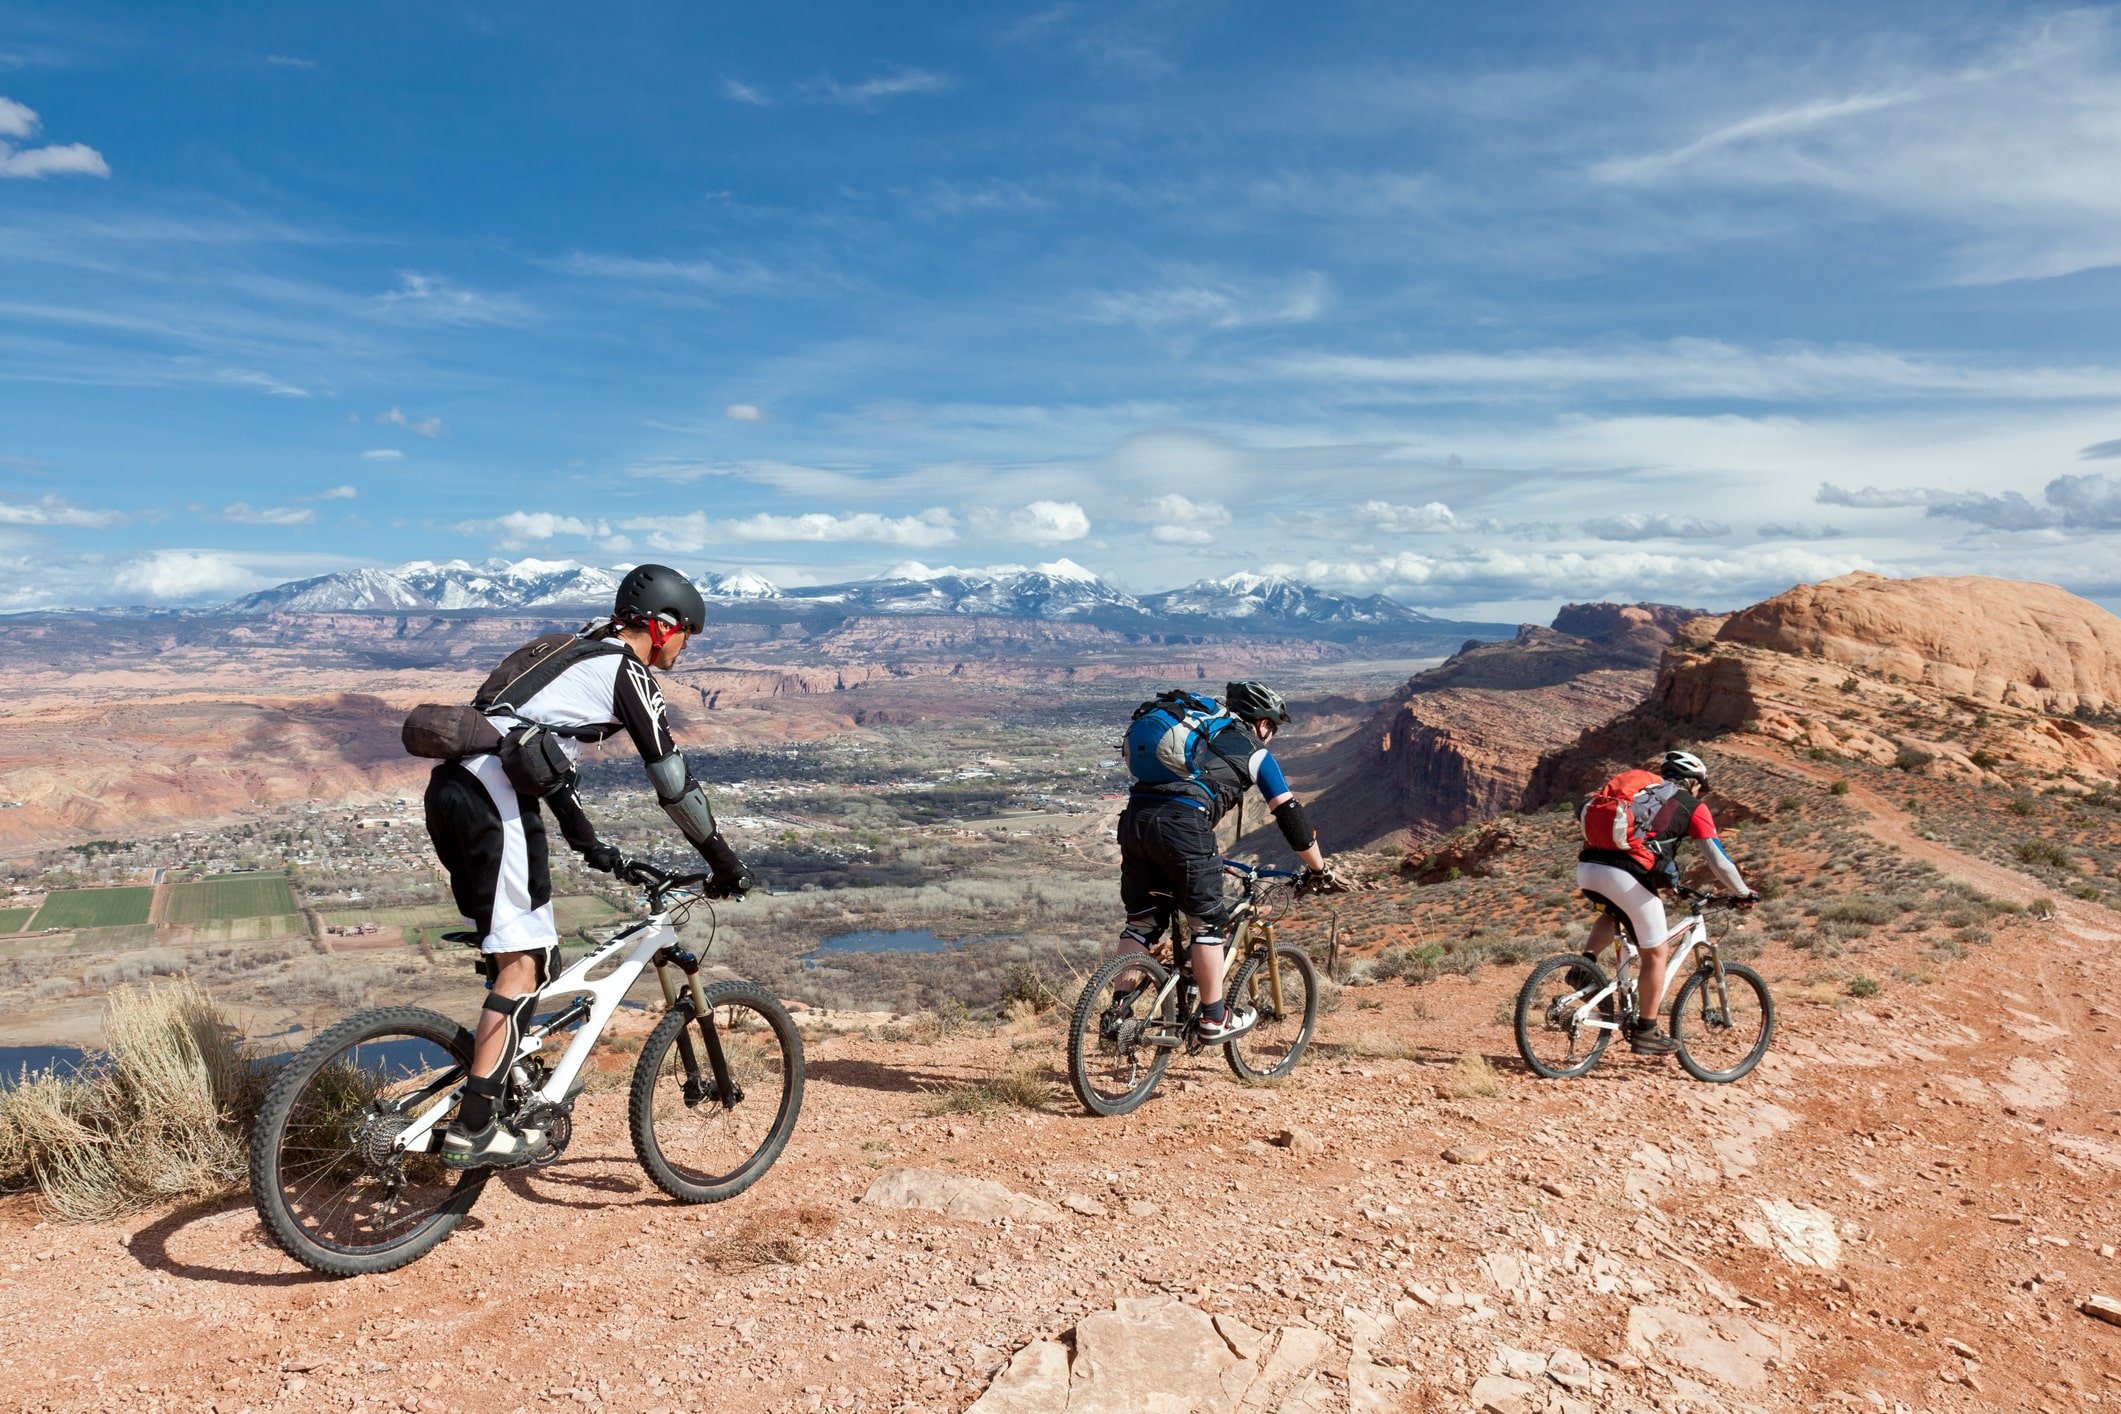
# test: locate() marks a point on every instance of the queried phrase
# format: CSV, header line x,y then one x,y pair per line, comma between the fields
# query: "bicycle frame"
x,y
1683,940
1242,937
651,941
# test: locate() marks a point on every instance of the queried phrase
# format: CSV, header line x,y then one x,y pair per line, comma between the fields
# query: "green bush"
x,y
1909,758
1869,912
1838,788
1863,987
2045,852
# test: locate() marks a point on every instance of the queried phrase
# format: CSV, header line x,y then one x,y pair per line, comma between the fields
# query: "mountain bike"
x,y
344,1160
1136,1013
1722,1017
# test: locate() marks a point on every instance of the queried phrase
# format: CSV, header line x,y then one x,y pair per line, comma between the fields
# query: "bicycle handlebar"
x,y
1257,871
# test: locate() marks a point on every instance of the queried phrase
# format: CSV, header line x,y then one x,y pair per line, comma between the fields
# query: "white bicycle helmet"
x,y
1684,766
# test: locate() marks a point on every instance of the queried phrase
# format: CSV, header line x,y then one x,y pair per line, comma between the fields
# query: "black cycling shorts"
x,y
1168,859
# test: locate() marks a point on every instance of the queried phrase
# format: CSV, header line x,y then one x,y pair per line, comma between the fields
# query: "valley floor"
x,y
1902,1208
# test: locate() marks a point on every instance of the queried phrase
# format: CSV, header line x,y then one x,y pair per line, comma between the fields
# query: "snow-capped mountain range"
x,y
1059,590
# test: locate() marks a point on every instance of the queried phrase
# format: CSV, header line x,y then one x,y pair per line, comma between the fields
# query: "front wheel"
x,y
701,1141
330,1183
1112,1061
1723,1030
1557,1027
1272,1048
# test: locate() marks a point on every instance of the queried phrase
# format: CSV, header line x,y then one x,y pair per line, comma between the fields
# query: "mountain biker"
x,y
1630,878
1168,854
490,834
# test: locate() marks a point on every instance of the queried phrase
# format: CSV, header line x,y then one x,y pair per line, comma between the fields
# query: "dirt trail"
x,y
1900,1209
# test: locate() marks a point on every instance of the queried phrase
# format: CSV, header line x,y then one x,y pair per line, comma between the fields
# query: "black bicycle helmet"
x,y
650,592
1684,766
1255,702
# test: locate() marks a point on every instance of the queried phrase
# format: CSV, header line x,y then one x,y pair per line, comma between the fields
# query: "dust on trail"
x,y
1902,1207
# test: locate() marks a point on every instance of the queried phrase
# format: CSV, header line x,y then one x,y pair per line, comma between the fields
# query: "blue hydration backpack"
x,y
1167,738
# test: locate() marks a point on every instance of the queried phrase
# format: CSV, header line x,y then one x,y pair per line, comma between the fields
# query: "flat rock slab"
x,y
1158,1355
1729,1349
957,1196
1805,1236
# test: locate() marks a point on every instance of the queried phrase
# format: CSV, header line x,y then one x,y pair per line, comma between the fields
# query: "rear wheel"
x,y
1111,1063
701,1145
1723,1031
328,1181
1556,1030
1272,1048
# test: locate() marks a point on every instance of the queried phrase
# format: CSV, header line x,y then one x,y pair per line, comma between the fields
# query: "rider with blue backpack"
x,y
1192,760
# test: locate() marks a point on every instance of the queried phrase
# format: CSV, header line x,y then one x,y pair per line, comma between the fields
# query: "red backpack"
x,y
1640,812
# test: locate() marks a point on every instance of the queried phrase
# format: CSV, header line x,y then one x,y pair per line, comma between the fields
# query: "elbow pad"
x,y
682,799
1295,825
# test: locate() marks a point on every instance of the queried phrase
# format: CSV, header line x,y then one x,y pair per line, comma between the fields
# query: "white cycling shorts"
x,y
1644,909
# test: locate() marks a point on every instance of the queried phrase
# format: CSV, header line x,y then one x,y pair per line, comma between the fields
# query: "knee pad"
x,y
515,1013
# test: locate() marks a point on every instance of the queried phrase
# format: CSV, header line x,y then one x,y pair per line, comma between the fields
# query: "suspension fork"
x,y
1266,936
723,1086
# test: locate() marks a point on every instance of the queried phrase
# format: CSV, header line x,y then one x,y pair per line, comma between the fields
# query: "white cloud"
x,y
243,513
737,91
2011,150
439,300
519,528
52,510
336,493
727,277
290,61
170,575
744,412
20,122
697,530
264,382
1405,520
1180,520
1641,525
1208,303
1039,523
429,427
1474,576
870,92
383,454
1710,369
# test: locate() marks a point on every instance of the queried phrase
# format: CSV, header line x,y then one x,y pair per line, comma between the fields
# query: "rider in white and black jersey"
x,y
490,835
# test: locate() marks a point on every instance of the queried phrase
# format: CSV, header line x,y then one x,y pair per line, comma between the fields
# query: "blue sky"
x,y
1487,310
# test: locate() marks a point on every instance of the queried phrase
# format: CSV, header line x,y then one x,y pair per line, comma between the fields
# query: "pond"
x,y
882,940
14,1058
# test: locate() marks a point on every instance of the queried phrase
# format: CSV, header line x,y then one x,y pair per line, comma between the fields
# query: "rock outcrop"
x,y
1968,678
1459,741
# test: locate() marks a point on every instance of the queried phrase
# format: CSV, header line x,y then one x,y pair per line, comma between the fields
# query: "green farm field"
x,y
231,896
95,908
14,920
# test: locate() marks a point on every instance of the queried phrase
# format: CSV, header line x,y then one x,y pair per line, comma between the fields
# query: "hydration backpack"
x,y
1166,739
534,761
1640,812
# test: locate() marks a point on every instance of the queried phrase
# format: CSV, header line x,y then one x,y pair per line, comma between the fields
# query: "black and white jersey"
x,y
598,698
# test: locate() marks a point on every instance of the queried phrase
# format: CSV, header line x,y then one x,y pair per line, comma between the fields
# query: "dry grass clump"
x,y
773,1237
1473,1078
161,1115
1017,1088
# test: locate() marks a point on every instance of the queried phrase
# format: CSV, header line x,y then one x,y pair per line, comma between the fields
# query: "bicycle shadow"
x,y
872,1075
537,1185
155,1246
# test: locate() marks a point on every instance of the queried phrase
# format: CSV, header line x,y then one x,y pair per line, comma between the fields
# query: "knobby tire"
x,y
309,1180
1114,1078
705,1151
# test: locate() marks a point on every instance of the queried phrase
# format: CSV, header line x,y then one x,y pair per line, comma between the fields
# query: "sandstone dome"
x,y
1994,640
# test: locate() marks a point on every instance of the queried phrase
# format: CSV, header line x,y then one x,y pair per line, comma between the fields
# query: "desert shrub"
x,y
1838,788
1025,984
162,1114
1984,760
1472,1077
1869,912
1909,758
1863,987
2023,805
2045,852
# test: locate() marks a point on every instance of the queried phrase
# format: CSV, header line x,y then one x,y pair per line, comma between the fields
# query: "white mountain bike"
x,y
1722,1017
344,1163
